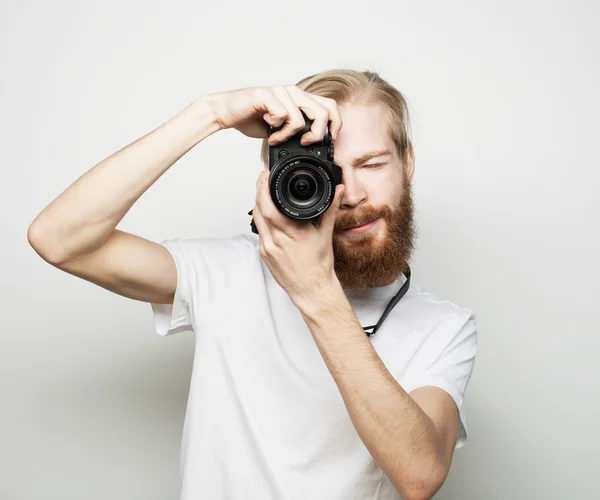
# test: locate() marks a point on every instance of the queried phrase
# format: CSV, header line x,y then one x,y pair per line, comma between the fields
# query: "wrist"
x,y
205,111
321,300
213,105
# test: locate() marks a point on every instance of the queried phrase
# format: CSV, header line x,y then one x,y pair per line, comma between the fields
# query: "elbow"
x,y
41,243
423,485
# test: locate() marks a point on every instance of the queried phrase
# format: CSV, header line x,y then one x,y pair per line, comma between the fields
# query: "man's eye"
x,y
373,165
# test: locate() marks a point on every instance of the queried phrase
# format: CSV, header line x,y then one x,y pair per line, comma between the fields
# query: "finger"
x,y
276,112
269,212
327,220
294,122
315,111
264,232
334,114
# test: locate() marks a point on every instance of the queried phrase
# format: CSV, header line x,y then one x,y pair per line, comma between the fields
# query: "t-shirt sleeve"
x,y
176,317
452,371
208,269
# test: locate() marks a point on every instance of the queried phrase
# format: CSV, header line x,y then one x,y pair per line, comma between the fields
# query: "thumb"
x,y
329,217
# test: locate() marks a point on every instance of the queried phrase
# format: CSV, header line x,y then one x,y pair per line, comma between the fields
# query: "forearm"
x,y
395,430
86,213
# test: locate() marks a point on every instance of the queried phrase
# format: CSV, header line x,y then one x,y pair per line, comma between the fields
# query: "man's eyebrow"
x,y
371,154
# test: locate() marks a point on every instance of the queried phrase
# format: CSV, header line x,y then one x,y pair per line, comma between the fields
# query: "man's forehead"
x,y
363,119
365,130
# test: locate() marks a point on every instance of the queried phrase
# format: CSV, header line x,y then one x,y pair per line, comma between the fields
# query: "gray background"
x,y
505,104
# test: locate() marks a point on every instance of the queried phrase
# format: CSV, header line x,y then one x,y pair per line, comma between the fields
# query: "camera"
x,y
302,178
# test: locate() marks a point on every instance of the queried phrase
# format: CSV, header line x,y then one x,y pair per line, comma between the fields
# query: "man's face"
x,y
377,189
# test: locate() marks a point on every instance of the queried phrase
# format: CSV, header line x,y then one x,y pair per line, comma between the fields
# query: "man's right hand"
x,y
251,110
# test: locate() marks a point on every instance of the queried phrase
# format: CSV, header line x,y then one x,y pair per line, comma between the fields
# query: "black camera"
x,y
303,178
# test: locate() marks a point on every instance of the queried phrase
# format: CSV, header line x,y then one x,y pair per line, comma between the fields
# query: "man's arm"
x,y
76,232
411,436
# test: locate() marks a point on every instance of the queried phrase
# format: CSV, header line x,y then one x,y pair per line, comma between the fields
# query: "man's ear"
x,y
409,163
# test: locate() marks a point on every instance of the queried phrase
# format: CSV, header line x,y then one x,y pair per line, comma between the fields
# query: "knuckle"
x,y
297,119
297,125
331,103
267,214
268,248
276,237
322,114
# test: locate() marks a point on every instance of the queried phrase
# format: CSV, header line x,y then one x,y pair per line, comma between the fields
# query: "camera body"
x,y
302,179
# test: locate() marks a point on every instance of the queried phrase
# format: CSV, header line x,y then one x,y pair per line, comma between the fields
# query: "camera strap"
x,y
395,299
252,224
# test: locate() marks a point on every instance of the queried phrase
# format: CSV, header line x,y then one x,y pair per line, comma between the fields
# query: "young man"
x,y
290,398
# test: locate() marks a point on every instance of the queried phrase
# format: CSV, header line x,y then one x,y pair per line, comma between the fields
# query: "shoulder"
x,y
441,319
429,303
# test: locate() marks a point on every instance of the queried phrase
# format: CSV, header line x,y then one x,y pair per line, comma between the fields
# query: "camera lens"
x,y
302,186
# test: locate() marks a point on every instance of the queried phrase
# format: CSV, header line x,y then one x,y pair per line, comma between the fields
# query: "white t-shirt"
x,y
265,419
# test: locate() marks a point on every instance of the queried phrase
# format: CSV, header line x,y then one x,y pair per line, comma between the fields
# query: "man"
x,y
290,398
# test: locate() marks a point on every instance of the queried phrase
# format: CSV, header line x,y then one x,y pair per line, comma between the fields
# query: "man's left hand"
x,y
299,254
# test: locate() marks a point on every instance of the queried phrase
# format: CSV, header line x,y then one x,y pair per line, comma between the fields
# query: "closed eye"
x,y
374,165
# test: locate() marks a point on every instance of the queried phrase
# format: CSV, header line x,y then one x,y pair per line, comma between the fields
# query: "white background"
x,y
505,104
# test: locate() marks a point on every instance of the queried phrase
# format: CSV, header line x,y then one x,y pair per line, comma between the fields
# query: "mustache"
x,y
366,215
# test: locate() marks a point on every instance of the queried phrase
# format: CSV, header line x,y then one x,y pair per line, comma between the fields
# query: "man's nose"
x,y
354,192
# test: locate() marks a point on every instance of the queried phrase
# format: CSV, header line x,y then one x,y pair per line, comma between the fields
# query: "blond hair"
x,y
348,86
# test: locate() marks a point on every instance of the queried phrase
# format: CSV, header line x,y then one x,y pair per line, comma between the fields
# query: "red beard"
x,y
367,260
